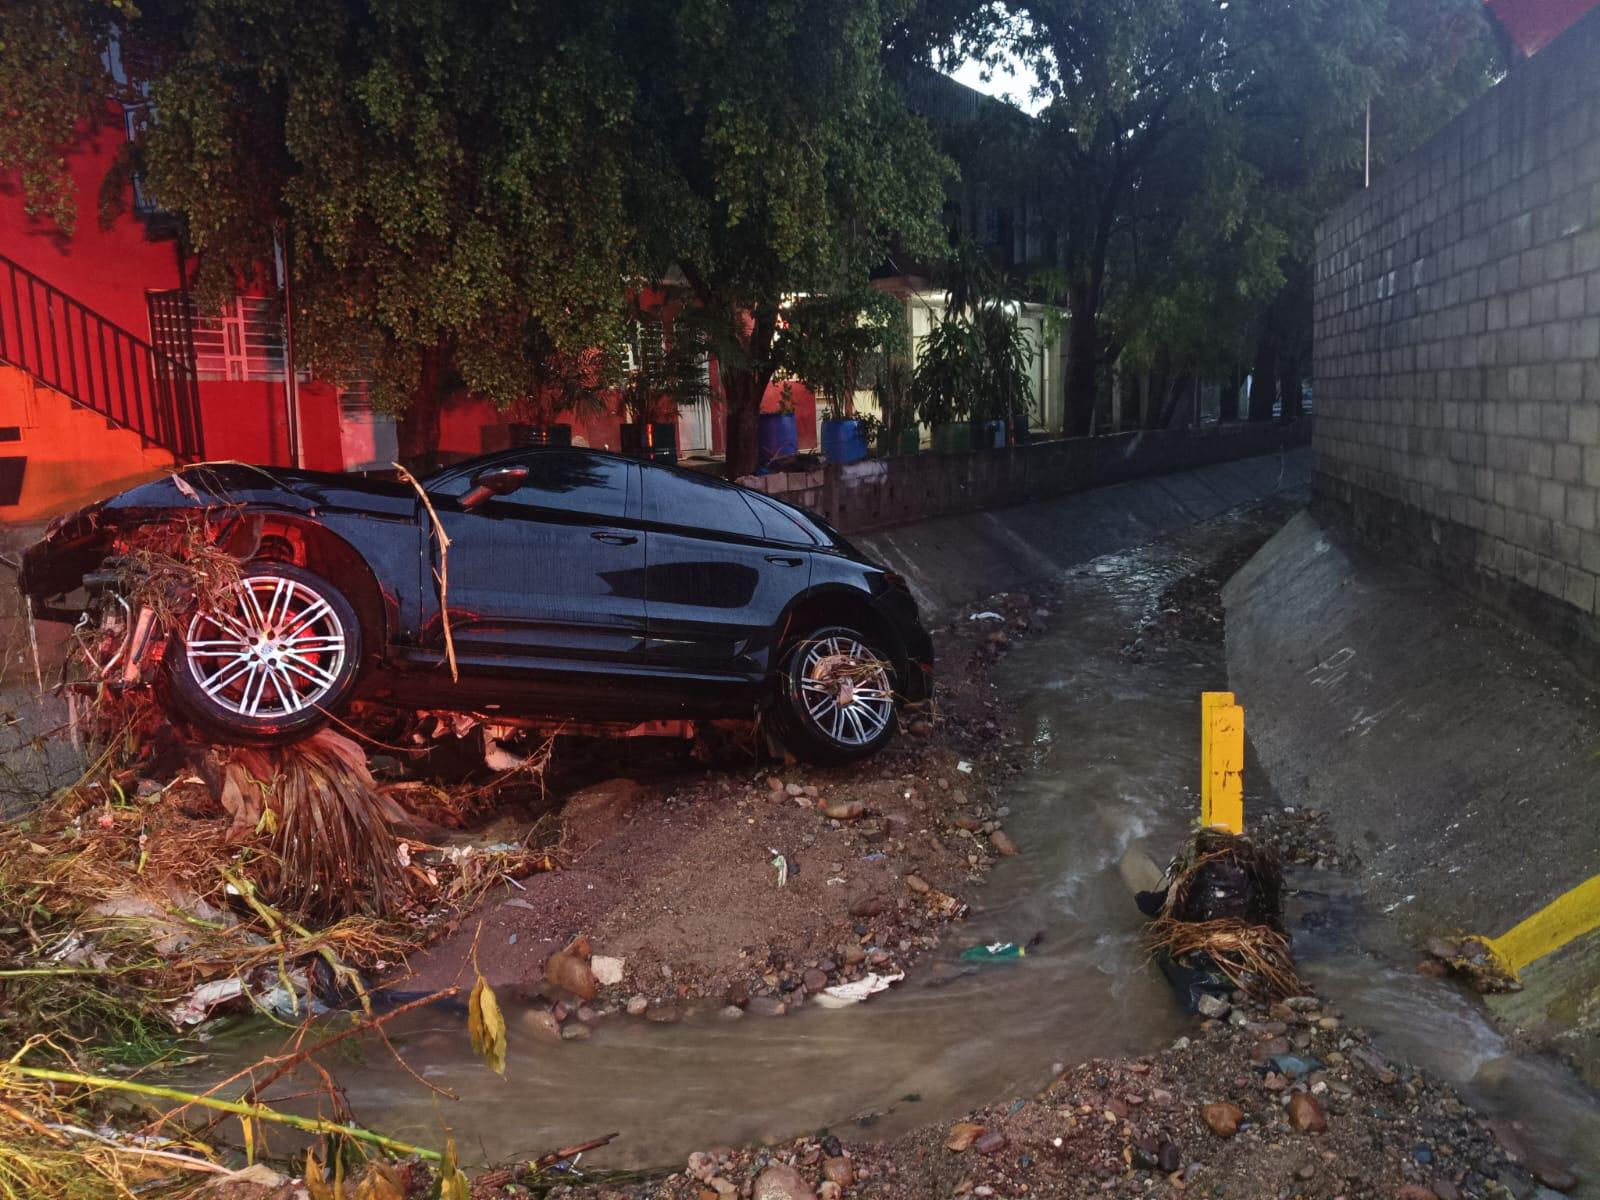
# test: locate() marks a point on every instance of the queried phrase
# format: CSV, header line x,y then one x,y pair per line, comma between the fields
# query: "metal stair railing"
x,y
97,364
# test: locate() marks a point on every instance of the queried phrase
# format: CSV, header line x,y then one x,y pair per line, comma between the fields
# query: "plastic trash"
x,y
994,952
782,864
986,615
842,994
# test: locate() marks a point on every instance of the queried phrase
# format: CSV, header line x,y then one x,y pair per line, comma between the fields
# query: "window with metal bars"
x,y
242,342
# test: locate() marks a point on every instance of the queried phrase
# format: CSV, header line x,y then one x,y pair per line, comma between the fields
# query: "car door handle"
x,y
785,560
613,539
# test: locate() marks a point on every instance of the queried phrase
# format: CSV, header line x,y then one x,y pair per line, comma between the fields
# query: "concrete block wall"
x,y
883,492
1457,355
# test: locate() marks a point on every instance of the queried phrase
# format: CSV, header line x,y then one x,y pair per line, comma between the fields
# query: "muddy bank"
x,y
761,881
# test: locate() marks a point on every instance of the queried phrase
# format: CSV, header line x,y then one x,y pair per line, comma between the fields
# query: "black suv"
x,y
581,585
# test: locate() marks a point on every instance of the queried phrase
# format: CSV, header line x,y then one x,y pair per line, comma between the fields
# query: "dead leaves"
x,y
487,1026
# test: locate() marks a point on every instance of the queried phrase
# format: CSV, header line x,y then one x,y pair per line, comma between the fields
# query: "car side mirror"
x,y
499,480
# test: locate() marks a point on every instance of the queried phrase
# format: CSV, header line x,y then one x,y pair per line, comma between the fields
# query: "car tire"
x,y
819,670
271,660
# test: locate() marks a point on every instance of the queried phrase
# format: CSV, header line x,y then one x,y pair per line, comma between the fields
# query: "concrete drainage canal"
x,y
1107,731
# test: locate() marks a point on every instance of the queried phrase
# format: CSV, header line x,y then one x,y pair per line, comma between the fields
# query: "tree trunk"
x,y
1264,379
1289,385
742,389
1083,351
417,438
1228,402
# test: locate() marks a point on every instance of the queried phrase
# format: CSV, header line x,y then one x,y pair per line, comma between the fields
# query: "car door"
x,y
716,584
552,572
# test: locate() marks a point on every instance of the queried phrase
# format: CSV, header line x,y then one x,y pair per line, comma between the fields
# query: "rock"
x,y
1003,844
962,1135
766,1006
1214,1006
607,970
794,789
1443,1189
850,810
731,1012
594,813
781,1182
867,906
814,980
1305,1114
1369,1060
774,784
569,969
1270,1048
1169,1157
576,1032
1303,1003
738,993
921,727
839,1170
637,1005
918,884
664,1014
542,1024
1554,1176
1222,1118
852,955
1444,948
991,1143
1293,1065
1414,1191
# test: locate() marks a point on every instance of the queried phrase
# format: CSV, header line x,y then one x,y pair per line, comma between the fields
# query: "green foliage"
x,y
829,341
668,364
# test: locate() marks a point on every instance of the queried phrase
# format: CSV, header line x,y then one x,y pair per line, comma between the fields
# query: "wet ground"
x,y
1108,734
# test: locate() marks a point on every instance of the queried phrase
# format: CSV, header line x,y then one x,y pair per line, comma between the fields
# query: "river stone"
x,y
637,1005
766,1006
1169,1157
962,1135
572,1032
542,1024
1222,1118
917,884
782,1182
569,969
1003,844
607,970
852,954
815,980
1213,1006
1305,1114
1270,1048
850,810
991,1143
840,1170
664,1014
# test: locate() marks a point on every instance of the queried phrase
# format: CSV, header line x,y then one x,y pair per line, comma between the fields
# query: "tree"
x,y
1169,118
779,161
450,176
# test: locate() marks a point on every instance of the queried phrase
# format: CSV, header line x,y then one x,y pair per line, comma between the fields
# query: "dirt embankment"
x,y
755,885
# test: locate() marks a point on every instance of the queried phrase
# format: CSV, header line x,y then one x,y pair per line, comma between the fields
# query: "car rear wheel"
x,y
837,698
269,658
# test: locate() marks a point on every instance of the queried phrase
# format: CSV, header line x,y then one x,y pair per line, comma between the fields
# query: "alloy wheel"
x,y
269,647
846,689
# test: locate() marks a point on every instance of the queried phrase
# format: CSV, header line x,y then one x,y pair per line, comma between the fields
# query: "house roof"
x,y
1532,24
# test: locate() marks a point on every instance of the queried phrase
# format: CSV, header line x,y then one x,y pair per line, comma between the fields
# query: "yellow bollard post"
x,y
1221,762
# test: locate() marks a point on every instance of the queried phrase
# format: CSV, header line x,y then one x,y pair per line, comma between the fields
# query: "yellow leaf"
x,y
453,1185
316,1182
487,1026
380,1183
247,1126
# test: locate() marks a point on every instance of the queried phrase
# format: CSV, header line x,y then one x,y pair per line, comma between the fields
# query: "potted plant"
x,y
947,376
778,439
558,383
1006,356
663,368
844,436
897,431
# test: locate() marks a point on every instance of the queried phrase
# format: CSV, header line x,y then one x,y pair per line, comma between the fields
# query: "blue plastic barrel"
x,y
777,441
843,441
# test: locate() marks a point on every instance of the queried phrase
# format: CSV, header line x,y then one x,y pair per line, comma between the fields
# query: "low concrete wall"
x,y
885,492
956,559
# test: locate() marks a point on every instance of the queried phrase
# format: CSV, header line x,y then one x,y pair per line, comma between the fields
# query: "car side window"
x,y
565,480
691,502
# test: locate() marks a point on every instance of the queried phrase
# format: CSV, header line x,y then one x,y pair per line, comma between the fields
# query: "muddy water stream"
x,y
1110,747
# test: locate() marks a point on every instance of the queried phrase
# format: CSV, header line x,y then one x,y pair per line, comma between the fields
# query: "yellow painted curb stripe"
x,y
1566,917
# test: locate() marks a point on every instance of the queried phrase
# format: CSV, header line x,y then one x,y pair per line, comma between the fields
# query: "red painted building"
x,y
109,375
